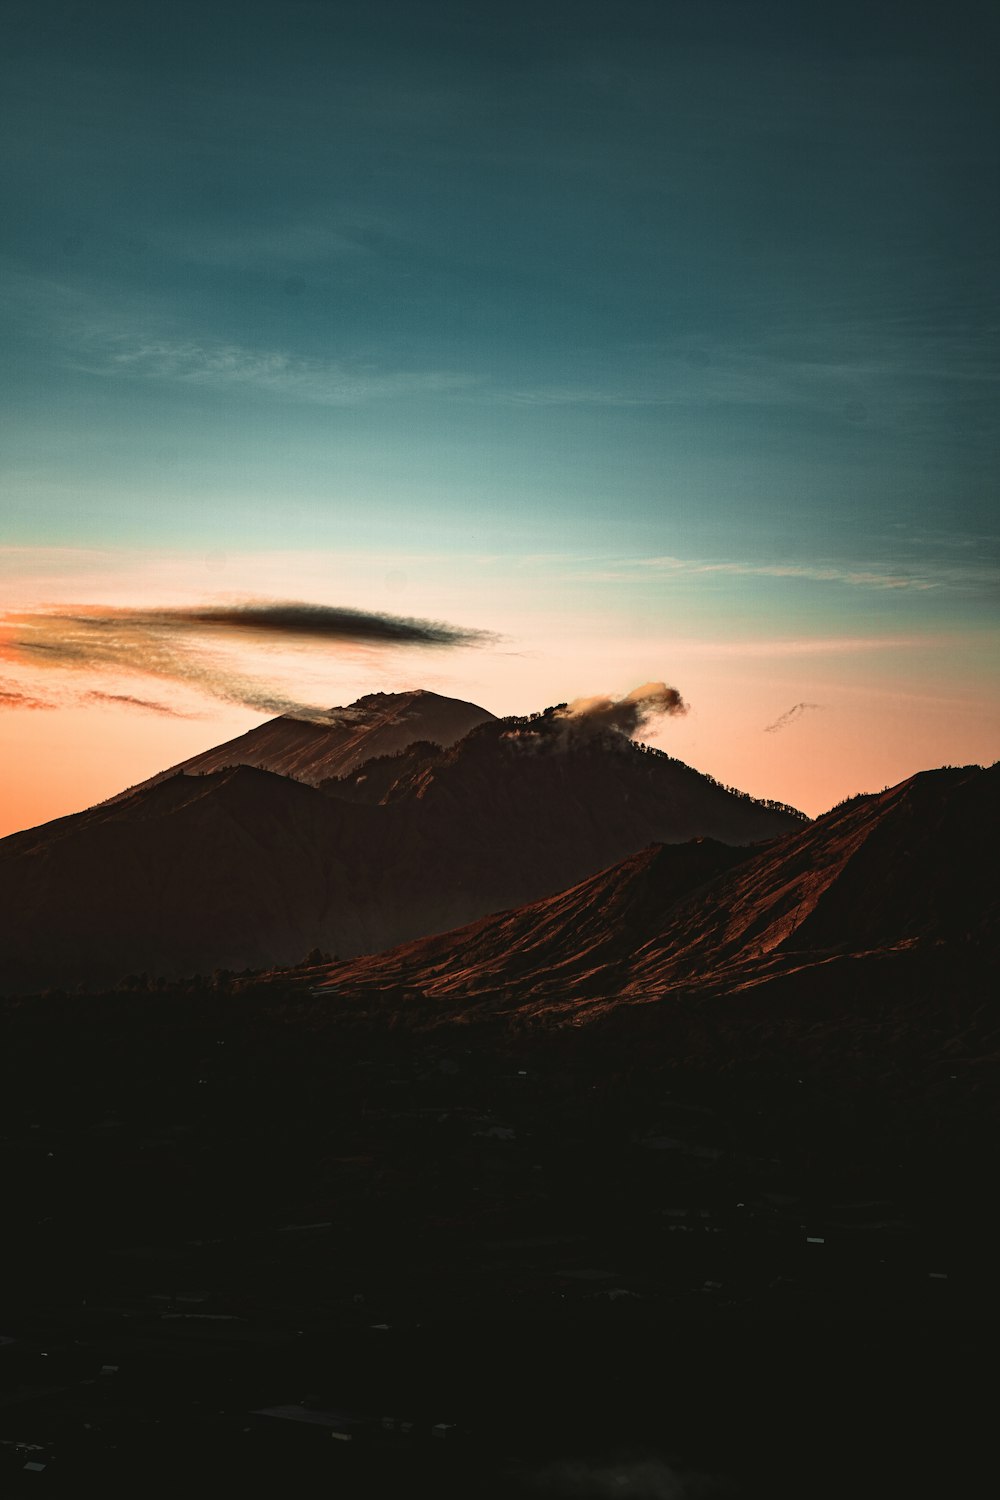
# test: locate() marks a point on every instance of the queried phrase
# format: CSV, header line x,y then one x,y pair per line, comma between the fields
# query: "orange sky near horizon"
x,y
655,341
878,708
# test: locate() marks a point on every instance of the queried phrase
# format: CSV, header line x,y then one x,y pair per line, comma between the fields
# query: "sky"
x,y
528,352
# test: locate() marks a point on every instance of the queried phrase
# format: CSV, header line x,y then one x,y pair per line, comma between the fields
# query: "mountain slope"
x,y
900,871
905,866
519,809
241,867
376,724
234,868
584,935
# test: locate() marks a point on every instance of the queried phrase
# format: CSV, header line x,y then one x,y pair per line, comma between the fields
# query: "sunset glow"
x,y
634,348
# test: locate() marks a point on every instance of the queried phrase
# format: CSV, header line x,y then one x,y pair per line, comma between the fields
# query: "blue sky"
x,y
682,314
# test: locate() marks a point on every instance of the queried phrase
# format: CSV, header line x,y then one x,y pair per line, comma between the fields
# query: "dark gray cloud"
x,y
323,622
176,644
790,716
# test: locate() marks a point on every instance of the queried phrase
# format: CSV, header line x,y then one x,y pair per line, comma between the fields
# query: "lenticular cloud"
x,y
177,644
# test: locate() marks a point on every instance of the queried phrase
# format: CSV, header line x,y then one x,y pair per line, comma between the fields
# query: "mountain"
x,y
242,867
719,1081
898,874
376,724
521,808
233,868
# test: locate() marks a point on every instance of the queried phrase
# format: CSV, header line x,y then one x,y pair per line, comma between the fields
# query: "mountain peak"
x,y
374,724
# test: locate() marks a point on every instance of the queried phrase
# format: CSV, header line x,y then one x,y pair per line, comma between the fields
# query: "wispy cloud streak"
x,y
790,716
836,645
128,700
930,575
877,368
858,577
12,697
94,337
222,365
177,644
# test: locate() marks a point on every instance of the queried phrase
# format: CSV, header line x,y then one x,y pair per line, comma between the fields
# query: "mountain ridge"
x,y
243,866
820,895
308,751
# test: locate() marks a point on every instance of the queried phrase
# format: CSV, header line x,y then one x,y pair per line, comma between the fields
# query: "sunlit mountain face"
x,y
339,741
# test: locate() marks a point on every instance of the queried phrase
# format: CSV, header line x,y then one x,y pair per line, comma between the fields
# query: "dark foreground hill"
x,y
241,867
631,1184
710,1082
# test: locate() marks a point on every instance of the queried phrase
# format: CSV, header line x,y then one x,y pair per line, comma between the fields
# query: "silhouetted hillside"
x,y
241,867
522,808
879,876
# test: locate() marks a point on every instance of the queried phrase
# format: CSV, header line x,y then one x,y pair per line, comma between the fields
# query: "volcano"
x,y
243,867
311,751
